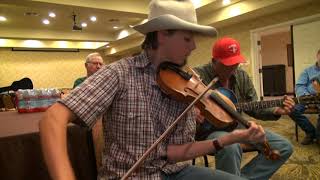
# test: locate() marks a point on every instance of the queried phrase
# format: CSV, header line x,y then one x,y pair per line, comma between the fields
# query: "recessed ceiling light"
x,y
196,3
226,2
93,18
115,27
45,21
123,34
2,18
84,24
32,43
51,14
235,11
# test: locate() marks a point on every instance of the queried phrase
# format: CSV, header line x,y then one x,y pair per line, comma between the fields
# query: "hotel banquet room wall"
x,y
60,69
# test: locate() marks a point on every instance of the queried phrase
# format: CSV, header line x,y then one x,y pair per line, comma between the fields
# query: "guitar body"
x,y
206,128
229,94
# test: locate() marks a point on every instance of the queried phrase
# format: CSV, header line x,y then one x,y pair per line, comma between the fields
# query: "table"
x,y
21,157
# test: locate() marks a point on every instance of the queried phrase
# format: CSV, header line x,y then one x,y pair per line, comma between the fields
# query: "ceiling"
x,y
24,20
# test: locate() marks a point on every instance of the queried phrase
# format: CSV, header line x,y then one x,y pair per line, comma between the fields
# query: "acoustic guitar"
x,y
204,129
255,105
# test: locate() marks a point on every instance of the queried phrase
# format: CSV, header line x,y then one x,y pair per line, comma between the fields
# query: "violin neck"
x,y
233,113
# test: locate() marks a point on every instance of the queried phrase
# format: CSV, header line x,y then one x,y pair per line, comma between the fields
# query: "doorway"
x,y
291,44
274,62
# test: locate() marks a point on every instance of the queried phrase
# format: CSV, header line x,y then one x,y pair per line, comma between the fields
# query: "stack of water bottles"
x,y
36,100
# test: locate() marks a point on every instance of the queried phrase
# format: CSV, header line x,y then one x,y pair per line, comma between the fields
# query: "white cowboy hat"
x,y
173,14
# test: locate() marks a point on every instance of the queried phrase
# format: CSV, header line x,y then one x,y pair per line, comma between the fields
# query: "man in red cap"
x,y
226,58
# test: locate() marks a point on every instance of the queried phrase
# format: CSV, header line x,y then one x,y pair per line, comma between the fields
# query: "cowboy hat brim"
x,y
168,21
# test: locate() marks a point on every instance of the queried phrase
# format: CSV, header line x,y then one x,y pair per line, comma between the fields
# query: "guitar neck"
x,y
255,105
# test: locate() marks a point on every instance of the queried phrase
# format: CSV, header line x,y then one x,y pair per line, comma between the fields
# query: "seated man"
x,y
93,63
226,58
304,86
136,112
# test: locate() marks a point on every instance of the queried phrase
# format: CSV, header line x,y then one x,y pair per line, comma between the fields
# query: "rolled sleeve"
x,y
93,96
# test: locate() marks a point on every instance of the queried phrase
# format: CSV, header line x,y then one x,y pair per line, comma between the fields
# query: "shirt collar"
x,y
232,79
142,60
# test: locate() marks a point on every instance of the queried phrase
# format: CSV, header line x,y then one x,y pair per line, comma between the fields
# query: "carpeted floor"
x,y
305,160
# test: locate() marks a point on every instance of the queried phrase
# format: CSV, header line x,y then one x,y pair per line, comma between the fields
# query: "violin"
x,y
185,87
218,109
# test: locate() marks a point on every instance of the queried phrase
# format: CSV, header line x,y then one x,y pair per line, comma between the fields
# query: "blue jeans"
x,y
303,122
229,158
200,173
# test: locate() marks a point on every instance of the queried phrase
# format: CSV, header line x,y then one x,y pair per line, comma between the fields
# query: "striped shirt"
x,y
135,113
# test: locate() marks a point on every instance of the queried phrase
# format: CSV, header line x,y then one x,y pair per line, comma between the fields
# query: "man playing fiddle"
x,y
135,111
225,62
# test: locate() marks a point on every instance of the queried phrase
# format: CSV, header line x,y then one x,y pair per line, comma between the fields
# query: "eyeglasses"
x,y
96,63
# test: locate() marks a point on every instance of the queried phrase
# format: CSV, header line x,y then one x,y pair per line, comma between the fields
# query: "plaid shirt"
x,y
136,113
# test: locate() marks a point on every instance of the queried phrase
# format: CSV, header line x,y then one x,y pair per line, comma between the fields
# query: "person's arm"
x,y
302,84
183,152
249,94
53,129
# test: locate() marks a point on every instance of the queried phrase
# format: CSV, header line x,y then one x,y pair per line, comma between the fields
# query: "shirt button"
x,y
130,114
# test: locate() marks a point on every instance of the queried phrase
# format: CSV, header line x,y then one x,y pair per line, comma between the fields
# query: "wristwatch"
x,y
217,146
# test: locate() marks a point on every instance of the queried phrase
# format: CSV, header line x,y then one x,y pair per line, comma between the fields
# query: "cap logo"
x,y
233,48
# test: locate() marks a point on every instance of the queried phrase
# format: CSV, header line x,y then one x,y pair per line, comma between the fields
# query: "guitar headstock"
x,y
310,99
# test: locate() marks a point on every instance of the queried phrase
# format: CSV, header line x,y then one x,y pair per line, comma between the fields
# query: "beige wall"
x,y
274,48
60,69
305,47
274,51
45,69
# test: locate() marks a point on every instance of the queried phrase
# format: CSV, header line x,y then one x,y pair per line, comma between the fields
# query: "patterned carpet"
x,y
305,160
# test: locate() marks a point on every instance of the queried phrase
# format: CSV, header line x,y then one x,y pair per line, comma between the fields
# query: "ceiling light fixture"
x,y
235,11
196,3
226,2
93,18
115,27
2,18
51,14
84,24
46,21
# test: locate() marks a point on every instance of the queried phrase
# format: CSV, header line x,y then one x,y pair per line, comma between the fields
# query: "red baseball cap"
x,y
227,51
